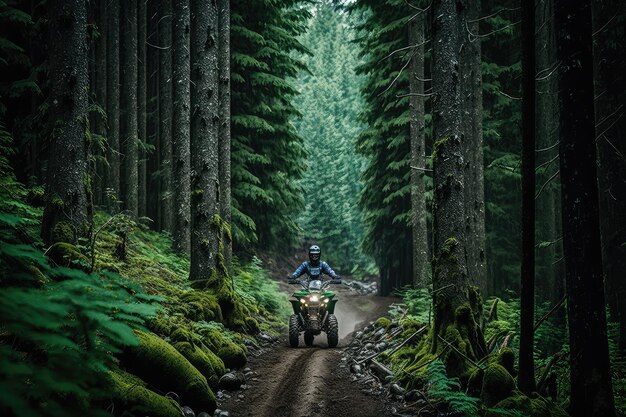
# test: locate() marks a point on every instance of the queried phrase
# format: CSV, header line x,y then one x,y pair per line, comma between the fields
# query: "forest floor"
x,y
311,381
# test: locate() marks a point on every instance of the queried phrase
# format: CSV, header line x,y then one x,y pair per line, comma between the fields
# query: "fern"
x,y
448,391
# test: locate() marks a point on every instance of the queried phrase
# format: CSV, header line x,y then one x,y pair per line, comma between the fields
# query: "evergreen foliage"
x,y
384,142
330,102
267,152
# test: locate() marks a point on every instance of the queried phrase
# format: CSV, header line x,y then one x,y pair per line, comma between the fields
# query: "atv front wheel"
x,y
332,332
308,338
294,333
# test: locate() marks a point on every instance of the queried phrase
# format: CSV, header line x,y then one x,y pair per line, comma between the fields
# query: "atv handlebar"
x,y
305,282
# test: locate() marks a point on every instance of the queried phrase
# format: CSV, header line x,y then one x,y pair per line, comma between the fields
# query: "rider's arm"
x,y
299,271
328,270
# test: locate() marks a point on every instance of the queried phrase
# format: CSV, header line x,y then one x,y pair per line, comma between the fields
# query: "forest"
x,y
166,164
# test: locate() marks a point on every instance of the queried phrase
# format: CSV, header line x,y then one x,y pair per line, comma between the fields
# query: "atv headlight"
x,y
326,300
302,300
314,299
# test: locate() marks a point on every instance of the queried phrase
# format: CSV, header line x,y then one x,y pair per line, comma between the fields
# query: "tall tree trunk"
x,y
165,114
590,377
204,143
180,127
472,96
142,28
100,127
113,175
130,148
453,296
152,130
224,127
66,196
526,379
609,23
418,154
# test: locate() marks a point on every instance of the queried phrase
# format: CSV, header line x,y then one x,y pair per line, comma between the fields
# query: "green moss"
x,y
533,407
205,361
63,232
498,384
383,322
130,396
233,354
506,358
200,306
66,254
161,365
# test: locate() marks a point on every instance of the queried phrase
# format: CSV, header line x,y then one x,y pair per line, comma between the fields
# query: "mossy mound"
x,y
497,385
384,322
506,358
66,254
161,365
129,393
200,306
532,407
205,361
233,354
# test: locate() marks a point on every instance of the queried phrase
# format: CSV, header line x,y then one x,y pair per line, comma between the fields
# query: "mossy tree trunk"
x,y
129,139
456,305
224,127
165,114
152,60
65,215
180,126
472,96
590,377
526,378
418,154
141,104
101,91
204,143
113,173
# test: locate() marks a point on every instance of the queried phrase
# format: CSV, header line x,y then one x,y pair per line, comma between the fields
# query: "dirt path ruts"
x,y
309,382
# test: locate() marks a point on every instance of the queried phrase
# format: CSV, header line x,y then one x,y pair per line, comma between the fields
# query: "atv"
x,y
314,312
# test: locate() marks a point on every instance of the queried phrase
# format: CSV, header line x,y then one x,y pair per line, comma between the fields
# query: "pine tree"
x,y
113,174
65,216
142,31
165,114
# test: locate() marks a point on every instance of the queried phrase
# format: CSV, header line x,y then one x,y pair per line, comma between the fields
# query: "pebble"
x,y
356,369
397,389
230,381
203,414
187,411
369,346
381,346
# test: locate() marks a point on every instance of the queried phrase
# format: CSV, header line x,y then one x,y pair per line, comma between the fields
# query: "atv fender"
x,y
331,306
296,306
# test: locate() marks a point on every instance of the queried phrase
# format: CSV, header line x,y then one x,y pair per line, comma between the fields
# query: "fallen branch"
x,y
459,352
549,313
394,350
380,369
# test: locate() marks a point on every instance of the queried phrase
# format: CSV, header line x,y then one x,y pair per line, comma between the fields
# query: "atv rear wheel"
x,y
294,333
332,332
308,338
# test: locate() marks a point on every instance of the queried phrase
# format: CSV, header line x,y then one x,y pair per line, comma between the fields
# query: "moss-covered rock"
x,y
498,384
535,406
205,361
383,322
160,364
130,396
66,254
506,358
233,354
201,306
62,232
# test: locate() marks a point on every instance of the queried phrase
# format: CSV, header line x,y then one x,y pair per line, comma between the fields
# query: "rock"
x,y
396,389
380,332
224,414
187,412
358,335
381,346
369,346
498,384
217,412
230,381
266,337
411,395
203,414
356,369
247,370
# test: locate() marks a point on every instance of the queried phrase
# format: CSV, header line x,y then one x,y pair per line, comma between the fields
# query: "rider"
x,y
314,267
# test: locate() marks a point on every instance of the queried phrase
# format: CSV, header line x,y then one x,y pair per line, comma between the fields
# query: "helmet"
x,y
315,253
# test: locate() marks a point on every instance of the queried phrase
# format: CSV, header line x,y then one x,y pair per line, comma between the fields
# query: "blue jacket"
x,y
314,272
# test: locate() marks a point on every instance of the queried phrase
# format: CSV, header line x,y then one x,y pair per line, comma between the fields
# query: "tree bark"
x,y
204,142
590,377
526,379
113,175
165,114
130,148
224,127
152,130
611,141
472,96
141,105
100,127
180,126
418,154
65,215
456,306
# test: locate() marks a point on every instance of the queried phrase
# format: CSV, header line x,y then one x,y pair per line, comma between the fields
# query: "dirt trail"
x,y
307,382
